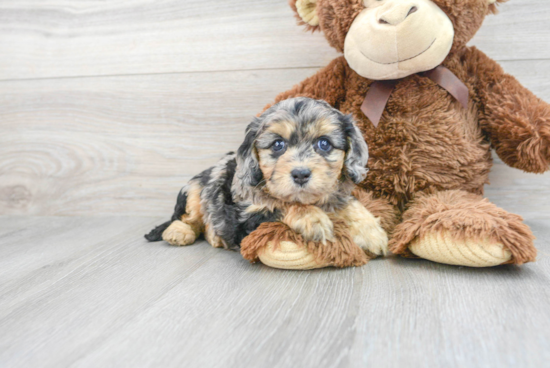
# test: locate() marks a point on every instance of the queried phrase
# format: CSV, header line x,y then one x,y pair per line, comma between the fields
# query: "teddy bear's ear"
x,y
493,5
306,13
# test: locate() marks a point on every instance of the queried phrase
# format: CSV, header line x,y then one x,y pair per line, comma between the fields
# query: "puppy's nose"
x,y
301,175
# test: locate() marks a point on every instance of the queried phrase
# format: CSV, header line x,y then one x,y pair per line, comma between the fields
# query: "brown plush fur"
x,y
426,141
464,216
342,252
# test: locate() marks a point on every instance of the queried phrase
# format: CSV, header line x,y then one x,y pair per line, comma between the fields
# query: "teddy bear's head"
x,y
391,39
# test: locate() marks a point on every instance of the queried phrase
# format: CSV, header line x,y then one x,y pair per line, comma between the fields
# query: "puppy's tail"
x,y
156,234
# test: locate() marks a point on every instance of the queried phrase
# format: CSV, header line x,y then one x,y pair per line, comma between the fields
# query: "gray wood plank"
x,y
125,145
130,303
93,283
42,253
61,38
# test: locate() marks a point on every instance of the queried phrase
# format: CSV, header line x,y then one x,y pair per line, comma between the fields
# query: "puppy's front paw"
x,y
318,228
371,237
310,222
365,229
179,233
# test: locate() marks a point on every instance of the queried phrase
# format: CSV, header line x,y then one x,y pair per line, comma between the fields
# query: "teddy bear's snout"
x,y
398,14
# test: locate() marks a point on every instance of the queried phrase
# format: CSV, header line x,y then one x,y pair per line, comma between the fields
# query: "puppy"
x,y
298,164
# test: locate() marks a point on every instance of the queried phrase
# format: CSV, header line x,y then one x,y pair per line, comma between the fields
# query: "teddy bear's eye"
x,y
278,145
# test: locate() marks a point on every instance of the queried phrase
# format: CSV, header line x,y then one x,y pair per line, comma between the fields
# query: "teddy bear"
x,y
431,109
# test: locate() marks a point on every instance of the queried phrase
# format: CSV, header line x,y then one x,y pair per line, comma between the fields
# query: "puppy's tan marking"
x,y
321,128
309,221
187,230
283,128
280,183
257,208
325,173
267,163
283,166
193,209
364,228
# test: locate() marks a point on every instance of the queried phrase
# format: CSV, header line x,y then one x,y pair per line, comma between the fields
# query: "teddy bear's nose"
x,y
397,15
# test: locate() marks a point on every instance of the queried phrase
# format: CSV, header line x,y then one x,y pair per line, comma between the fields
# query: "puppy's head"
x,y
301,150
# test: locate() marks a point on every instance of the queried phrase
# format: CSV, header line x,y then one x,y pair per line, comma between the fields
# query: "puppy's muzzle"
x,y
301,176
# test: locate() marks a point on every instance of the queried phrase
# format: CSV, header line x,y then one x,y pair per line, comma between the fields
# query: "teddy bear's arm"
x,y
516,121
327,84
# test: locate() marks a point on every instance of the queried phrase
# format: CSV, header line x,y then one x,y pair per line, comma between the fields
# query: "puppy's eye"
x,y
324,145
278,145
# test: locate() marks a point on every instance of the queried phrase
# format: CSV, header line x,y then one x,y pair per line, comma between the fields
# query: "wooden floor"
x,y
108,107
91,292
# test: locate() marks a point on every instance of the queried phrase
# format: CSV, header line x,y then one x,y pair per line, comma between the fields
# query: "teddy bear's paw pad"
x,y
442,247
179,233
289,256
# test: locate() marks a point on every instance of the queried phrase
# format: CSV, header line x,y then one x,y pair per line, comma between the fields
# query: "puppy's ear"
x,y
357,155
248,167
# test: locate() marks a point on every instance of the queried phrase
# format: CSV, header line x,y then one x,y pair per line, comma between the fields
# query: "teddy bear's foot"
x,y
443,247
276,245
460,228
290,256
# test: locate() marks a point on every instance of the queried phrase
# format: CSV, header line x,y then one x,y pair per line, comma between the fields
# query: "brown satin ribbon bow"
x,y
380,91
